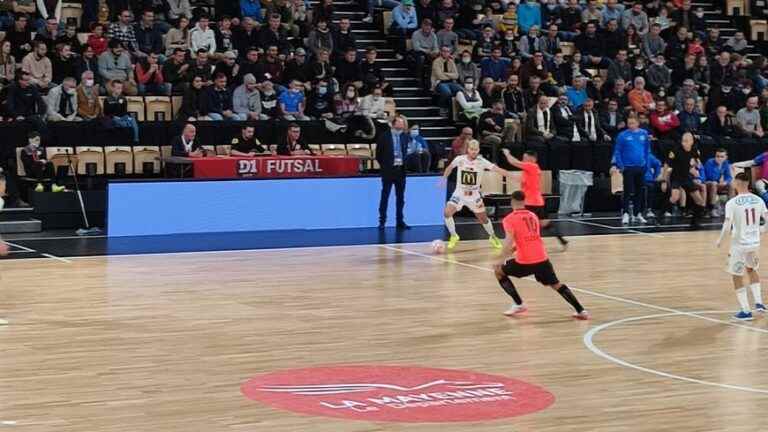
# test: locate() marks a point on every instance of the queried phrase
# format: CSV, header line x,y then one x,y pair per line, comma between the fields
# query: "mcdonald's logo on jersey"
x,y
469,178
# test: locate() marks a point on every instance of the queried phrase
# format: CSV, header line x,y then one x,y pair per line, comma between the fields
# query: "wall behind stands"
x,y
174,207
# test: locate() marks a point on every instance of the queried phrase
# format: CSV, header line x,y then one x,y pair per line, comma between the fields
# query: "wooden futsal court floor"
x,y
164,342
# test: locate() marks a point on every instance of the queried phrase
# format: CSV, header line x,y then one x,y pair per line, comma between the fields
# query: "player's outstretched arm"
x,y
725,229
501,171
515,162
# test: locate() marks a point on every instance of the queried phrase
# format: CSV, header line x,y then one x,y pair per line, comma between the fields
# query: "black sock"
x,y
554,230
510,289
570,298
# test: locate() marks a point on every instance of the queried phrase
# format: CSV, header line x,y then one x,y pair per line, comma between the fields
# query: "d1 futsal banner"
x,y
397,394
275,167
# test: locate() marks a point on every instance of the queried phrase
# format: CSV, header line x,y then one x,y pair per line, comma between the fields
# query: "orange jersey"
x,y
523,226
530,183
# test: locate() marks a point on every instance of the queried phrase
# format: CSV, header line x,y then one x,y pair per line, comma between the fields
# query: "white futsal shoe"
x,y
583,315
515,309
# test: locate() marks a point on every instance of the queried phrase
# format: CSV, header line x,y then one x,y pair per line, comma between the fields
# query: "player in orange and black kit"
x,y
531,186
524,241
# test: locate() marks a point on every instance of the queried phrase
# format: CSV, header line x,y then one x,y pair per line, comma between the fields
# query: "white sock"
x,y
451,225
741,295
488,226
756,292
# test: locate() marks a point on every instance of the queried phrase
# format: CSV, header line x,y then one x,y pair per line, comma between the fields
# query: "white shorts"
x,y
740,259
473,200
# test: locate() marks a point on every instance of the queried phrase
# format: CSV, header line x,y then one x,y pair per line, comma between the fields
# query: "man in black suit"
x,y
391,149
540,130
568,134
594,154
184,146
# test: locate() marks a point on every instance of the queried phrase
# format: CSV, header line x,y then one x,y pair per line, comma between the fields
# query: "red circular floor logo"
x,y
397,394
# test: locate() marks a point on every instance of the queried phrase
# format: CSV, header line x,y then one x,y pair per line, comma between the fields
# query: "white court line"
x,y
7,423
616,228
26,249
589,343
592,293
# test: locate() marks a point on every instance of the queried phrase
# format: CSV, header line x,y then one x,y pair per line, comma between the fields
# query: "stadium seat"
x,y
176,102
61,157
119,160
159,108
20,166
90,160
136,107
758,30
386,18
334,150
735,7
362,151
567,48
273,148
223,150
148,156
316,149
71,12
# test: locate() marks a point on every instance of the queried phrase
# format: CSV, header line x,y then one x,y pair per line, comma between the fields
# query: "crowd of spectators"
x,y
281,59
563,77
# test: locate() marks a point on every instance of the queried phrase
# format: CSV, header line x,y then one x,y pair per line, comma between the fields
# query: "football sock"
x,y
488,226
510,289
570,298
741,295
756,292
451,225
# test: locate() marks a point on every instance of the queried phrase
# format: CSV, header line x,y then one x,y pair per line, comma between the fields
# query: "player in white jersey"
x,y
471,168
742,218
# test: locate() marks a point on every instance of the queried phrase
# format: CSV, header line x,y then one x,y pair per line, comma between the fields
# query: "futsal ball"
x,y
438,246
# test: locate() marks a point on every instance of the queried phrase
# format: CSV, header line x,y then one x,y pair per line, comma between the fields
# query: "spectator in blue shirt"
x,y
418,158
633,146
717,177
404,23
292,102
495,66
251,9
653,180
528,14
577,94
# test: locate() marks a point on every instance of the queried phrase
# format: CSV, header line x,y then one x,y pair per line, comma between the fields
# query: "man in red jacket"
x,y
665,123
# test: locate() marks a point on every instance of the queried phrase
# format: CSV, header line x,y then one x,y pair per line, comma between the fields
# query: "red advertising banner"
x,y
275,166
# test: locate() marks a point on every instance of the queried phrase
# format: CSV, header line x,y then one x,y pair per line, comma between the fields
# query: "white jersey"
x,y
470,172
744,212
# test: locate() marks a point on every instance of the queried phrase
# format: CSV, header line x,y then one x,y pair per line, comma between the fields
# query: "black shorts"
x,y
539,211
686,185
543,271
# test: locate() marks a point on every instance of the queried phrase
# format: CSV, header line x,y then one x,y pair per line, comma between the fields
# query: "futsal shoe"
x,y
453,241
495,242
516,309
640,219
39,187
742,316
582,316
625,219
3,322
56,188
759,307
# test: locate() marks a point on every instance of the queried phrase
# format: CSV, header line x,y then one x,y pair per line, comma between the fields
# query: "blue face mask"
x,y
414,133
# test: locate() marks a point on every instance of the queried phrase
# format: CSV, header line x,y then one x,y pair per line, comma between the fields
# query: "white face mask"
x,y
376,97
699,14
70,91
322,90
466,60
469,87
350,94
89,83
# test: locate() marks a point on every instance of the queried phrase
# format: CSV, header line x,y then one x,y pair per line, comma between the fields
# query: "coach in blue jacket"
x,y
633,146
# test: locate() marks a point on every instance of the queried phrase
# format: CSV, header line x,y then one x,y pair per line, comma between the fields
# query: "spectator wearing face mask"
x,y
418,158
470,101
88,106
467,68
62,102
321,105
374,105
292,103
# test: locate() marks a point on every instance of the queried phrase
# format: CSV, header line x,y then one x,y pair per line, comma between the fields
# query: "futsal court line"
x,y
581,222
586,291
588,340
29,250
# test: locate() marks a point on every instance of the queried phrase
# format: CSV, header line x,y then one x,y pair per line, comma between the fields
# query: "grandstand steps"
x,y
415,101
19,220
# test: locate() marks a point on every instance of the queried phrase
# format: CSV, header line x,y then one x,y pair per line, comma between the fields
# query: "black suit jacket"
x,y
532,123
581,122
385,151
178,149
284,149
564,126
605,117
